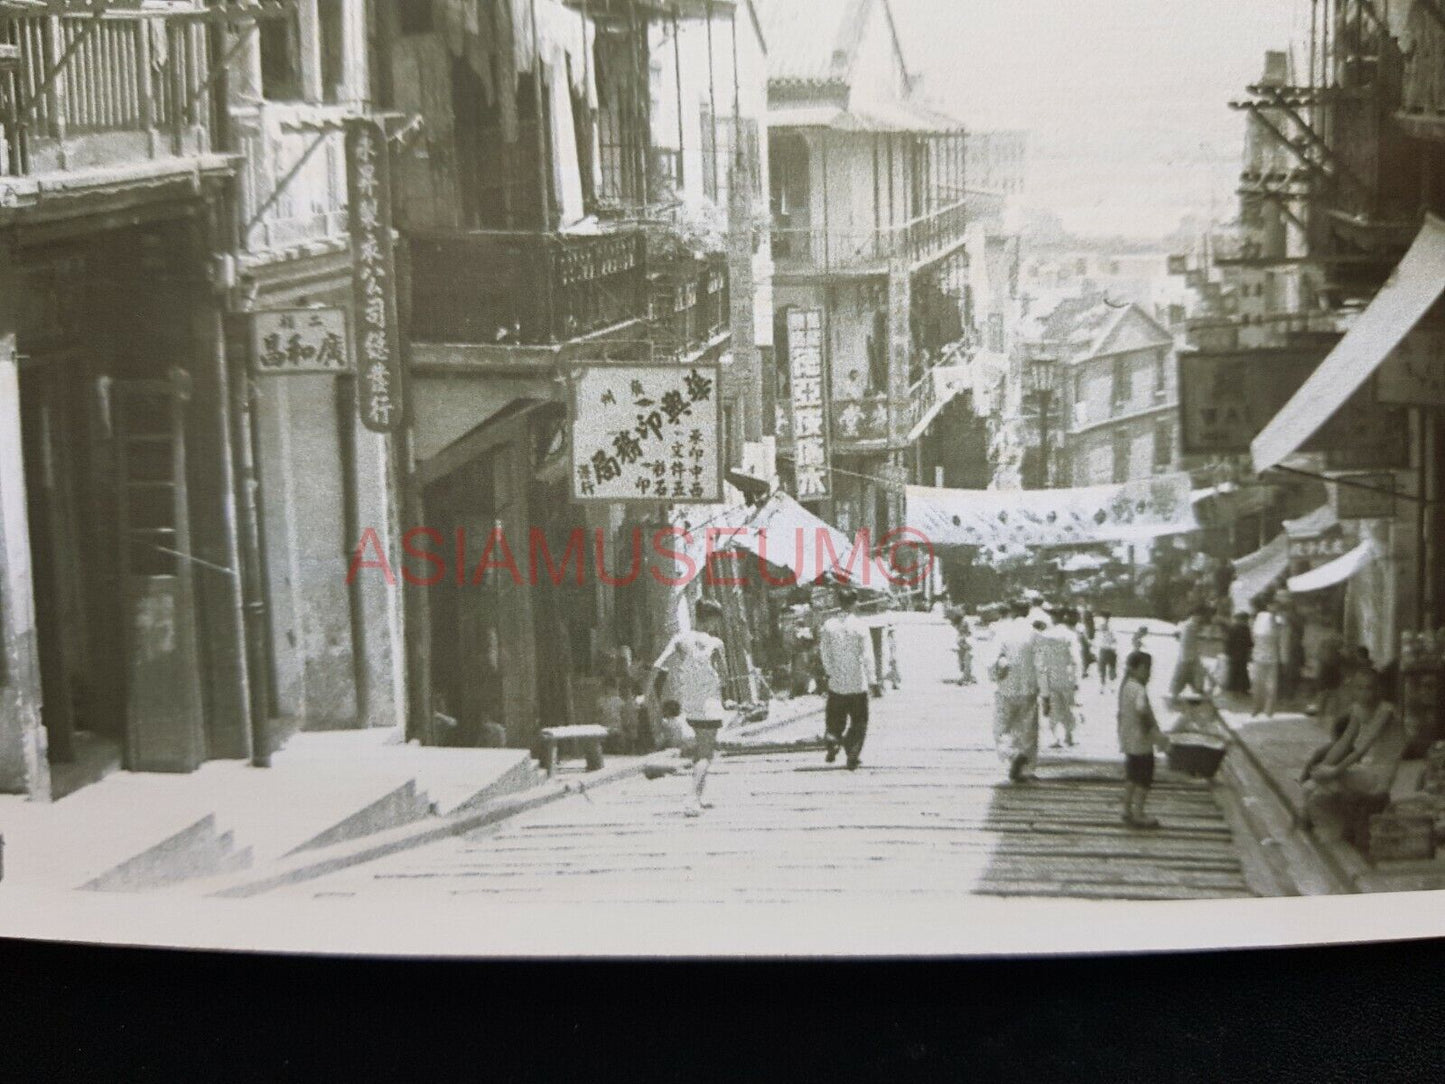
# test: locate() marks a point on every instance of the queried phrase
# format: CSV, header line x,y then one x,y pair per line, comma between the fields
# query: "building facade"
x,y
869,223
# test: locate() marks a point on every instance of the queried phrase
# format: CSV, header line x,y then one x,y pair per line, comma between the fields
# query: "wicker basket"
x,y
1196,754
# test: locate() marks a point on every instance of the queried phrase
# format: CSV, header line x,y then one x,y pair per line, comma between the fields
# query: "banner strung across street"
x,y
1010,518
368,177
300,341
649,433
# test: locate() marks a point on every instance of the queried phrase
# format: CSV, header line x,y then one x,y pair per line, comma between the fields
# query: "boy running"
x,y
690,660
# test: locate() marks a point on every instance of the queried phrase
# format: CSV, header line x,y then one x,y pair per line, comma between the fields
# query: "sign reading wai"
x,y
368,177
300,341
649,433
810,423
1357,502
1227,398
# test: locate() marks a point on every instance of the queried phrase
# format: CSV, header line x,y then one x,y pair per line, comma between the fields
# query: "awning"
x,y
1003,519
1337,571
1312,524
1227,503
1255,572
1414,285
791,538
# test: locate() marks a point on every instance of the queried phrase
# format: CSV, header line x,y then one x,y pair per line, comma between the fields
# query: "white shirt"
x,y
847,650
694,680
1018,650
1266,638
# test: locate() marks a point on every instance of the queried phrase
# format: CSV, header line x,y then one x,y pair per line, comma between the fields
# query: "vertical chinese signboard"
x,y
648,433
379,376
810,431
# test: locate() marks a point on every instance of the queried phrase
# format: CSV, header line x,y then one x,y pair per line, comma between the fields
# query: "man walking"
x,y
1059,669
1264,659
847,649
1016,706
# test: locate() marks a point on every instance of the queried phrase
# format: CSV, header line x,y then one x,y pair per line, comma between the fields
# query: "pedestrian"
x,y
965,652
690,664
1352,775
1136,642
1016,706
1264,659
847,650
890,653
1139,736
1084,629
1238,646
1106,646
1059,668
1189,670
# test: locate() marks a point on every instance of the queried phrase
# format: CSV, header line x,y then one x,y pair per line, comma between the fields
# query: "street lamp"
x,y
1040,376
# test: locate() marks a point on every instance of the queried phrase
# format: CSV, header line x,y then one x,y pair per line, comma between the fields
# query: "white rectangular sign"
x,y
300,341
810,431
650,433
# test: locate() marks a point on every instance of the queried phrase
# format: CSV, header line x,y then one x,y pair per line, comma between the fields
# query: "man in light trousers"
x,y
1016,704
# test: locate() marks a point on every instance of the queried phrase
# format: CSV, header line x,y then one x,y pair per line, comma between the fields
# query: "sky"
x,y
1126,100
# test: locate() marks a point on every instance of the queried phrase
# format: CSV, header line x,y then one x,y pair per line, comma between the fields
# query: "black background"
x,y
1354,1013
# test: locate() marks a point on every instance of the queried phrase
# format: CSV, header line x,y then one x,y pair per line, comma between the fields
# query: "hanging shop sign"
x,y
809,393
647,433
1227,397
1413,374
300,341
1376,502
368,177
1364,435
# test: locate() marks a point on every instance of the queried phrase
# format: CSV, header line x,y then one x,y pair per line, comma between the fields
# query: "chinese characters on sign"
x,y
1319,549
379,377
810,435
647,433
300,341
1412,374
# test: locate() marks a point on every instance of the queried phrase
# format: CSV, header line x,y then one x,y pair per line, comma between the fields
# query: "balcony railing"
x,y
689,304
295,175
917,241
128,80
527,289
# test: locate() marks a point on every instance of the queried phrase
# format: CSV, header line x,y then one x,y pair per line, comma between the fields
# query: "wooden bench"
x,y
590,738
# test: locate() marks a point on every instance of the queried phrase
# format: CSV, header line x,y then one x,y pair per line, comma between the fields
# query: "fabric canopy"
x,y
1255,572
1414,285
789,537
1313,523
1000,519
1337,571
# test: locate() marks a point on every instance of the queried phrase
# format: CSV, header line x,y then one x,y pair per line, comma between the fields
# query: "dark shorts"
x,y
705,724
1139,769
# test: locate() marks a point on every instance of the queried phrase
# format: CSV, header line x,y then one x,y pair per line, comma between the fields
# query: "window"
x,y
1121,457
1121,382
1163,446
280,41
1160,376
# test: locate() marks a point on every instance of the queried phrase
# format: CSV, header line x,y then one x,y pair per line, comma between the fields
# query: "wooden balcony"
x,y
293,195
919,241
689,304
132,92
525,289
